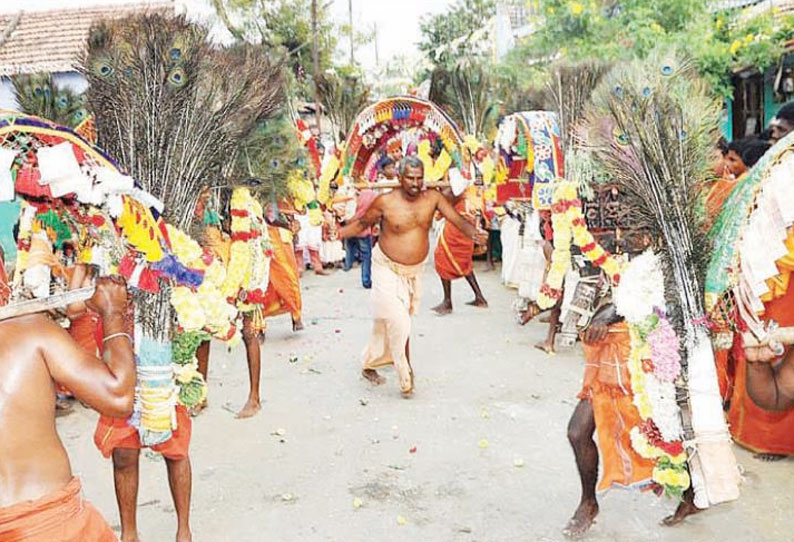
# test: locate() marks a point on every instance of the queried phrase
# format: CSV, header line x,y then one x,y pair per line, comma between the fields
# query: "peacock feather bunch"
x,y
651,128
270,153
173,108
37,94
568,91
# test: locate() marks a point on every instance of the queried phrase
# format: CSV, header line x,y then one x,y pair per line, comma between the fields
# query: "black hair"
x,y
750,149
386,163
786,113
722,145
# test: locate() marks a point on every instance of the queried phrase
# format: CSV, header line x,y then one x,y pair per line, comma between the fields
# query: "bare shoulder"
x,y
25,338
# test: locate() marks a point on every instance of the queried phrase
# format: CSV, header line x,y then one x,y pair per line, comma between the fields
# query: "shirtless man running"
x,y
39,497
405,216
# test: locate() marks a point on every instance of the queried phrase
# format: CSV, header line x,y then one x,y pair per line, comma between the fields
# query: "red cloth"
x,y
756,429
455,251
607,385
63,516
284,290
365,199
112,433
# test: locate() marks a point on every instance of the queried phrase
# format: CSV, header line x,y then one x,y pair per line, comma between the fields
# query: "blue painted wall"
x,y
9,213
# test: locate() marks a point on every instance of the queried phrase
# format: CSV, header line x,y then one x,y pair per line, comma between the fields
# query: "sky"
x,y
397,20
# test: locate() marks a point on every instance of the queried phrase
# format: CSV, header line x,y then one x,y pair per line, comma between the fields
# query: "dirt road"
x,y
478,454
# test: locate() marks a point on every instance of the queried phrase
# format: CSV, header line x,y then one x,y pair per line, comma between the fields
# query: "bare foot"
x,y
769,458
297,325
685,508
322,273
445,307
251,407
532,311
478,302
184,536
546,347
582,520
373,376
545,319
131,538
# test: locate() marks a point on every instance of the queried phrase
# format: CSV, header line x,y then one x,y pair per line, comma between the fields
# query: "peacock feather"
x,y
652,127
38,95
173,108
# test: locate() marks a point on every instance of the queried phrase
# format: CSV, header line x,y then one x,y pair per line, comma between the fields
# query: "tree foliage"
x,y
284,26
343,93
609,30
458,33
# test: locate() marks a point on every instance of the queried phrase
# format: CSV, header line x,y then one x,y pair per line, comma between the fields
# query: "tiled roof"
x,y
52,41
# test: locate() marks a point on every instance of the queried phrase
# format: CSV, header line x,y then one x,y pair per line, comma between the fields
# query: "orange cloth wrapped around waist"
x,y
455,252
62,516
607,385
284,290
112,433
759,430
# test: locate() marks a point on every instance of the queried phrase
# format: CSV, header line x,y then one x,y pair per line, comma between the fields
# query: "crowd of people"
x,y
386,226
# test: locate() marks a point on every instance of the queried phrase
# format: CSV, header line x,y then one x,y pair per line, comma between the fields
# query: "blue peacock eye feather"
x,y
38,91
62,101
620,137
175,53
667,70
646,92
104,69
619,92
177,78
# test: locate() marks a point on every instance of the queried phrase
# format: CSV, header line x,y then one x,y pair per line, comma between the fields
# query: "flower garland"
x,y
248,272
654,365
568,223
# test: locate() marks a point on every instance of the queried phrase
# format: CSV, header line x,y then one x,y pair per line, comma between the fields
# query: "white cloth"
x,y
396,291
309,236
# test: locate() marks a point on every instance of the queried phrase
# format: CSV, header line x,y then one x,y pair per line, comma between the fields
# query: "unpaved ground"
x,y
478,381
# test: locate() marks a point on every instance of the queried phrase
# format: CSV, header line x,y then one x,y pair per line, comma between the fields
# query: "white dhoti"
x,y
396,290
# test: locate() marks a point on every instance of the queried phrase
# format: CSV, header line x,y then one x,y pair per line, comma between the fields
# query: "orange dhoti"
x,y
112,433
283,293
63,516
756,429
607,385
454,254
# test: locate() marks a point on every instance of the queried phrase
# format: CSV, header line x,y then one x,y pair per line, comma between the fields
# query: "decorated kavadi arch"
x,y
401,125
530,157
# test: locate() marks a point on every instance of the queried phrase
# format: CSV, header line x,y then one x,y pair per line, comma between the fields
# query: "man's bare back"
x,y
35,352
406,216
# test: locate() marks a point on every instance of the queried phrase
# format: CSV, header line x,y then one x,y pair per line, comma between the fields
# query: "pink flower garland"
x,y
665,351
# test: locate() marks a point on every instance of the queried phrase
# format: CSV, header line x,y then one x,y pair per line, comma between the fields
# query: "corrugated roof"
x,y
52,41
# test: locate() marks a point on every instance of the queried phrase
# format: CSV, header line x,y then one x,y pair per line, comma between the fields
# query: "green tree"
x,y
284,26
457,33
457,44
343,93
610,30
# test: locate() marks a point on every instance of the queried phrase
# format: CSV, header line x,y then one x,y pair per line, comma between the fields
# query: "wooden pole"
x,y
350,22
316,61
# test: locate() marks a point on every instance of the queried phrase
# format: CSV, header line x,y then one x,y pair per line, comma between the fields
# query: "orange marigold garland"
x,y
569,225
